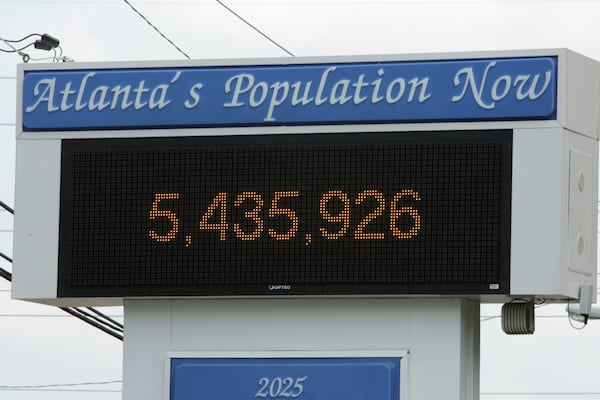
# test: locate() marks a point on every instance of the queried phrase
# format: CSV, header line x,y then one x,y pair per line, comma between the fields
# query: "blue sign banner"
x,y
259,95
375,378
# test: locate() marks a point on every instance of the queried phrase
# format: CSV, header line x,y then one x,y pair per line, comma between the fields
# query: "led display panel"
x,y
384,213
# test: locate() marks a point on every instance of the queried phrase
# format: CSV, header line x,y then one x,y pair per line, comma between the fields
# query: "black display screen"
x,y
314,214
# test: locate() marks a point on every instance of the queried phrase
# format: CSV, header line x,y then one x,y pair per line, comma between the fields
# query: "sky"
x,y
41,347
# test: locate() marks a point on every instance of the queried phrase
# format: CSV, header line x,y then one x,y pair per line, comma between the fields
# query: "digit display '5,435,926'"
x,y
319,214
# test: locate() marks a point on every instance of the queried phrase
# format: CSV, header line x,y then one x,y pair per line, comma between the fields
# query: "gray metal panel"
x,y
36,219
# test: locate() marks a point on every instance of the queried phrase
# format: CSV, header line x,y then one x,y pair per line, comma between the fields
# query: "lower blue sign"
x,y
372,378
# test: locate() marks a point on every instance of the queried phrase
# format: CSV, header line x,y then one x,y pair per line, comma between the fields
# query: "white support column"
x,y
441,337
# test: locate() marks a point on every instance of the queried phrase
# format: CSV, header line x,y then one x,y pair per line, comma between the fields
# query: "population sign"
x,y
320,177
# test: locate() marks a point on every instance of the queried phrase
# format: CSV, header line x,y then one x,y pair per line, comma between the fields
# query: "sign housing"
x,y
540,104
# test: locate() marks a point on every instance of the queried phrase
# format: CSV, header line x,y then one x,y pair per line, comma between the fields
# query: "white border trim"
x,y
296,129
264,61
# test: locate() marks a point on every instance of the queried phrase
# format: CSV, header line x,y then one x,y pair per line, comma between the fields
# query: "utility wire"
x,y
14,49
4,273
311,2
104,326
102,319
156,29
99,320
45,42
67,390
56,385
20,40
6,207
76,312
107,318
7,258
43,315
255,28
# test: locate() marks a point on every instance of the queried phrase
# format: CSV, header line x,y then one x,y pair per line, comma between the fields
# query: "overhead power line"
x,y
90,316
22,39
6,207
67,390
57,385
156,29
224,6
45,42
103,326
255,28
4,273
100,321
14,49
43,315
